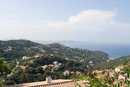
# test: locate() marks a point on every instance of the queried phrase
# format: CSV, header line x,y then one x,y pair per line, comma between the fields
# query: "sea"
x,y
113,50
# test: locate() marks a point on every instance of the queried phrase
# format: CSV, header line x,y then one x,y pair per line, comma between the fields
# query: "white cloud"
x,y
95,25
89,19
88,25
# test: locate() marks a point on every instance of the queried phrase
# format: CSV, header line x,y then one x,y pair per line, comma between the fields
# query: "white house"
x,y
25,57
44,67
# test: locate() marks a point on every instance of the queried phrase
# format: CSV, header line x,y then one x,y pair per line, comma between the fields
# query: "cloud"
x,y
88,19
95,25
88,25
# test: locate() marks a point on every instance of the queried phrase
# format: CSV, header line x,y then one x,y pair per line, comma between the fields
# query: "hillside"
x,y
16,49
32,62
111,64
66,70
37,69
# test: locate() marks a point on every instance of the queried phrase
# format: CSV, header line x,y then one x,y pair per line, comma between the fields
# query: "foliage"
x,y
105,81
36,73
4,70
111,64
16,49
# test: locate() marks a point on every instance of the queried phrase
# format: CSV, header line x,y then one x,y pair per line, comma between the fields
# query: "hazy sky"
x,y
100,21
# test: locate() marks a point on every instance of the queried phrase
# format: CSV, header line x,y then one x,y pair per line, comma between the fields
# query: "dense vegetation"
x,y
16,49
115,79
36,72
4,70
72,59
111,64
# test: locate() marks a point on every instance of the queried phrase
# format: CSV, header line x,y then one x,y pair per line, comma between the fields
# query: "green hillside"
x,y
37,73
111,64
72,59
16,49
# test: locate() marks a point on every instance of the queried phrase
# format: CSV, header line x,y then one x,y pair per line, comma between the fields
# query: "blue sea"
x,y
113,50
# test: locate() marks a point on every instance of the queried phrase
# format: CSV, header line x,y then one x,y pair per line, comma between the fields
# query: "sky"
x,y
98,21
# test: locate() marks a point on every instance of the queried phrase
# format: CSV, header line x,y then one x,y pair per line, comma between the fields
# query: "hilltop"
x,y
16,49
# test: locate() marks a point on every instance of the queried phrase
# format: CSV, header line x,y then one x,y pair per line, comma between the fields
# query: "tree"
x,y
4,70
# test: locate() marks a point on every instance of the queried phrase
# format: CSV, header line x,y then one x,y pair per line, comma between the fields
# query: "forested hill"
x,y
16,49
55,66
112,63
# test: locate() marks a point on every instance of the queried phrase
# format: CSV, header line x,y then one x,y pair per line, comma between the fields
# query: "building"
x,y
24,68
45,67
77,72
91,62
55,63
48,79
37,55
97,72
51,65
66,58
6,50
67,72
25,57
59,64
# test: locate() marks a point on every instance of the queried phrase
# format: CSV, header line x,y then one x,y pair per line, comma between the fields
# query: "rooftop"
x,y
54,83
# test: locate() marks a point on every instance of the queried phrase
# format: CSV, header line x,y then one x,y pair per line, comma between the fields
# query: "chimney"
x,y
48,79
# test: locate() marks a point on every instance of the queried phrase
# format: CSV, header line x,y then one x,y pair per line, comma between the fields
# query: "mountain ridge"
x,y
20,48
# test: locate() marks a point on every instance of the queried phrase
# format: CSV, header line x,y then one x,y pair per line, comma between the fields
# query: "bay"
x,y
113,50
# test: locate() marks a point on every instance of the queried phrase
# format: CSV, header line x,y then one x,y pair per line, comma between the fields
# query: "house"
x,y
25,57
66,58
77,72
5,61
48,79
24,68
44,67
97,72
6,50
91,62
9,48
72,72
51,54
120,77
55,62
59,64
67,72
117,70
106,74
51,65
55,67
37,55
108,60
